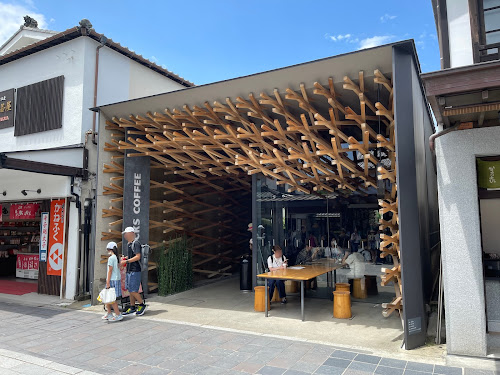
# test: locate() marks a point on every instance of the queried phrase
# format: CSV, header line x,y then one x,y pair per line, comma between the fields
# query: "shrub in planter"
x,y
175,267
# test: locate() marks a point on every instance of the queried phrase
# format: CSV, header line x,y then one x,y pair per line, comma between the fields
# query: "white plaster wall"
x,y
119,79
13,182
71,157
73,239
65,59
24,38
146,82
460,39
461,238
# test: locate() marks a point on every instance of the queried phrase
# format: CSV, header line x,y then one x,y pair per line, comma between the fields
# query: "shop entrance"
x,y
19,246
353,125
21,271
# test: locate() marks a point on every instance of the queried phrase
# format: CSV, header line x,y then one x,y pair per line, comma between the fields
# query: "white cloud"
x,y
376,40
11,18
386,17
338,38
346,38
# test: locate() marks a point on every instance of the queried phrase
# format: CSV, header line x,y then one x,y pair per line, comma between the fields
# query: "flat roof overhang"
x,y
468,94
287,110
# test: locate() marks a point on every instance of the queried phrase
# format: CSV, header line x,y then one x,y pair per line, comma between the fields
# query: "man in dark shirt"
x,y
133,277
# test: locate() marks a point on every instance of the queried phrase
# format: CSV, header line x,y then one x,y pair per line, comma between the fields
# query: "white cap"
x,y
111,245
128,230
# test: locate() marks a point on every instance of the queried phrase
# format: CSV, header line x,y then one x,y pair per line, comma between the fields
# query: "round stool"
x,y
371,285
342,304
291,286
359,288
259,301
342,287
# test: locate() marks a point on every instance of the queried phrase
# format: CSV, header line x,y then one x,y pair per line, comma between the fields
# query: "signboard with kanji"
x,y
44,236
27,262
488,174
23,211
56,238
7,109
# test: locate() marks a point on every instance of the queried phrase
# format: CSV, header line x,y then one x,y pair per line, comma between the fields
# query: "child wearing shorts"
x,y
113,281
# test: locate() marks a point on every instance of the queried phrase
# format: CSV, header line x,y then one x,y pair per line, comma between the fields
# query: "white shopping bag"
x,y
107,296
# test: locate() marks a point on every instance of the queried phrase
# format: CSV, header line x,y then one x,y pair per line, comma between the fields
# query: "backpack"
x,y
145,251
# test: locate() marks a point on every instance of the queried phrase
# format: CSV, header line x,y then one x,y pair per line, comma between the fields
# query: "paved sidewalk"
x,y
42,340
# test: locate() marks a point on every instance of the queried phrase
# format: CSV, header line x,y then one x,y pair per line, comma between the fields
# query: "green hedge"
x,y
175,267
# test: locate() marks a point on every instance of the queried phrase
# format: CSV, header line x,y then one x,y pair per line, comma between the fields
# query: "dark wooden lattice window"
x,y
39,107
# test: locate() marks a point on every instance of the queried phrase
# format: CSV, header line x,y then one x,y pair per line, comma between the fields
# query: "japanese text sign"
x,y
23,211
44,236
27,262
7,109
56,238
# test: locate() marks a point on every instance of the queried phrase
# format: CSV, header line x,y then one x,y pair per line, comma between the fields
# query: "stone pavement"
x,y
46,340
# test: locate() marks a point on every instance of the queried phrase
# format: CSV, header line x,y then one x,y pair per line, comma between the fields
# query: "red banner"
x,y
23,211
56,238
27,262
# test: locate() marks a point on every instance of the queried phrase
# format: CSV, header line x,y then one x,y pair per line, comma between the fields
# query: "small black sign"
x,y
7,109
414,325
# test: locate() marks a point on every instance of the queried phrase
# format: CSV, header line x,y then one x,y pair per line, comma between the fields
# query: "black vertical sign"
x,y
7,109
136,202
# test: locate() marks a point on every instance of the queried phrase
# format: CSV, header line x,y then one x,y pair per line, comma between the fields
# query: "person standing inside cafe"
x,y
275,262
133,277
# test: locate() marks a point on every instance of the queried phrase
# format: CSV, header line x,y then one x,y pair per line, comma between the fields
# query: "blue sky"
x,y
206,41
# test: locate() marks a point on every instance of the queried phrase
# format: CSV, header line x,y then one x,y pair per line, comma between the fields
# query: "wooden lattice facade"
x,y
307,139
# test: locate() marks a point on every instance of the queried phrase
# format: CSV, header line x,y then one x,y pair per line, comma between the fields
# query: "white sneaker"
x,y
107,316
115,318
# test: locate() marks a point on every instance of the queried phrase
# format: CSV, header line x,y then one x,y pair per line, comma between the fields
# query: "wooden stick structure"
x,y
203,155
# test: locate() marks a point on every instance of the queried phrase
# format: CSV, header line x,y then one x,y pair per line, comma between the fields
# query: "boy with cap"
x,y
133,276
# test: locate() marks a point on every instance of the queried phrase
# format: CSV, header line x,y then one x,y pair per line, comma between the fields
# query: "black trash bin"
x,y
245,274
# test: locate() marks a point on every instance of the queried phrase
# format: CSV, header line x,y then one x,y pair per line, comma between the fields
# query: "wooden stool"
x,y
359,289
291,286
259,301
342,304
343,287
276,296
371,285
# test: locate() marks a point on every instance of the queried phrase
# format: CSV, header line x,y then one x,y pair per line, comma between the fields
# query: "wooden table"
x,y
309,272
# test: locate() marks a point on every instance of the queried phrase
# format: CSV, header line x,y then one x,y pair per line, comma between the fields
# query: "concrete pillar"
x,y
461,238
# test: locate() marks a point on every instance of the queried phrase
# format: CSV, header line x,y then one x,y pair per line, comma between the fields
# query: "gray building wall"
x,y
461,236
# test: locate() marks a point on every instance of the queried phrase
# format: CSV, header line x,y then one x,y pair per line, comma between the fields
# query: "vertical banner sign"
x,y
136,201
7,109
56,238
44,236
1,213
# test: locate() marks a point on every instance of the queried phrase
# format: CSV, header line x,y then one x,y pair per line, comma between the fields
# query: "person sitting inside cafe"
x,y
275,262
307,255
356,263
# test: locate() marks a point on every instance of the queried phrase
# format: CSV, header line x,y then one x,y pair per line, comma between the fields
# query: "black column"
x,y
136,202
411,119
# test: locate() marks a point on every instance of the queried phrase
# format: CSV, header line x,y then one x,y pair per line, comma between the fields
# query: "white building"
x,y
48,83
465,99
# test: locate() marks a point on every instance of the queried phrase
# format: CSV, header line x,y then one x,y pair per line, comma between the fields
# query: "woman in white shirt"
x,y
276,262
